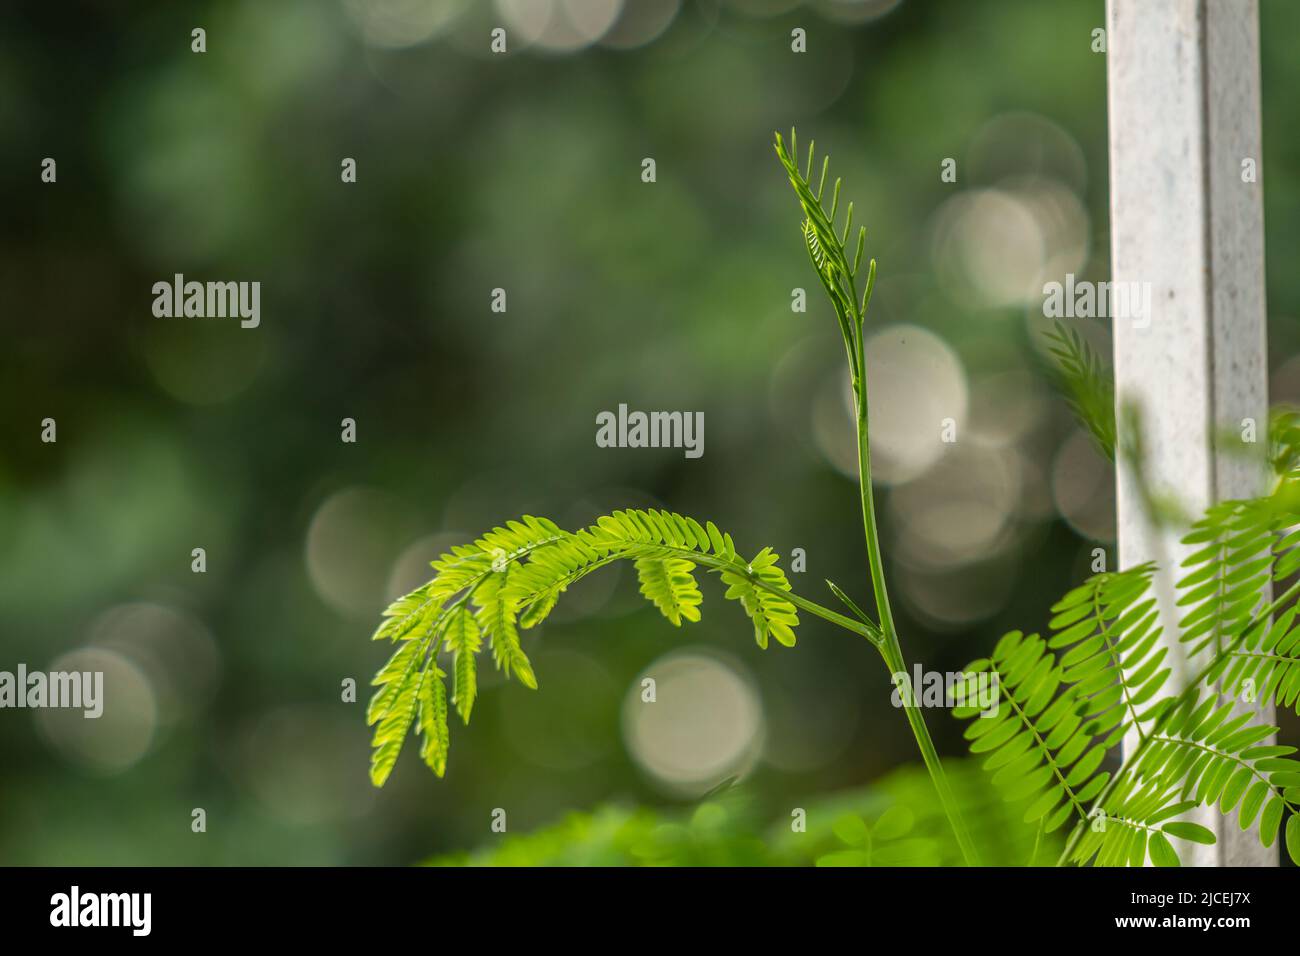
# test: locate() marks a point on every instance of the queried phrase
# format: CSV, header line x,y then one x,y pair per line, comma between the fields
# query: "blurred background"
x,y
523,171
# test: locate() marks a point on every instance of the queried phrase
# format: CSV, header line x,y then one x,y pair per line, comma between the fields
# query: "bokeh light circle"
x,y
118,738
705,724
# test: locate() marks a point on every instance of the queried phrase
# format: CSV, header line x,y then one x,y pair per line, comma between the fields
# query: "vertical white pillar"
x,y
1184,113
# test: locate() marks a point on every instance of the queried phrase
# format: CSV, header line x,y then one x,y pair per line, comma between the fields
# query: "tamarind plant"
x,y
1072,697
510,578
1066,700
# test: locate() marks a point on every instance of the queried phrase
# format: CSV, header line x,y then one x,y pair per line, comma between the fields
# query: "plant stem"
x,y
911,706
890,648
861,628
837,274
865,630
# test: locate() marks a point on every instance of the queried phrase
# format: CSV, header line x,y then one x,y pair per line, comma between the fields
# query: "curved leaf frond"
x,y
669,584
772,614
1264,665
1129,827
1041,740
512,577
464,639
1109,632
1213,755
1226,577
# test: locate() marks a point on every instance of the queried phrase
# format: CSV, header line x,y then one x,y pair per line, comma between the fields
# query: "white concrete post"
x,y
1184,111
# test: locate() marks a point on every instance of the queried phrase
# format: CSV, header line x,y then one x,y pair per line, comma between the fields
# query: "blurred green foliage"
x,y
897,821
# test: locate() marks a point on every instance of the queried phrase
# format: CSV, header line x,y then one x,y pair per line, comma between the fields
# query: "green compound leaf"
x,y
511,578
772,614
669,584
1043,744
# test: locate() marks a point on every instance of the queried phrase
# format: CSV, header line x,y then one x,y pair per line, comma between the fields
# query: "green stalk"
x,y
894,661
890,649
830,260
